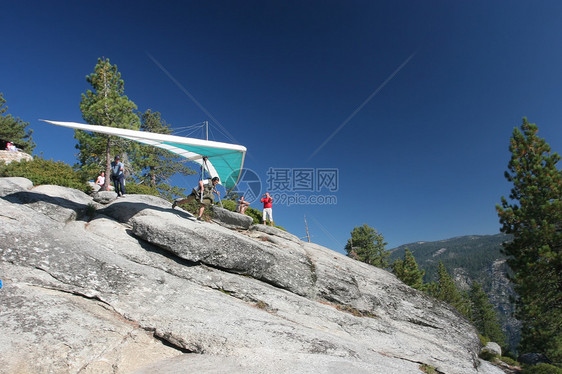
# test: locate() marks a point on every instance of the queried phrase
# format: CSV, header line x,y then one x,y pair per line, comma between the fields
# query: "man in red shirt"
x,y
267,210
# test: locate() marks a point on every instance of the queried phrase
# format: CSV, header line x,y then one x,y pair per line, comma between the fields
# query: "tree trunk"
x,y
107,165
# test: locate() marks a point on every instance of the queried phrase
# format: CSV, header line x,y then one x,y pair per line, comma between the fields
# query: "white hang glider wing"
x,y
221,160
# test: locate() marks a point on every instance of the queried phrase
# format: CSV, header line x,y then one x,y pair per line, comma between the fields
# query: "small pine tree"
x,y
446,290
408,272
483,315
367,245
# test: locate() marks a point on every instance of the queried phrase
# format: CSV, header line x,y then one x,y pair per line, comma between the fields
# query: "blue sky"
x,y
417,99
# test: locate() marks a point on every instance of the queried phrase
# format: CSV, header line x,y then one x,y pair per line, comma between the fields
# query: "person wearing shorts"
x,y
205,187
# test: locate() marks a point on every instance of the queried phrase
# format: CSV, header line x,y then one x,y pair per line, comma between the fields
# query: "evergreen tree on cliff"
x,y
483,316
407,270
446,290
105,105
367,245
13,129
533,215
156,165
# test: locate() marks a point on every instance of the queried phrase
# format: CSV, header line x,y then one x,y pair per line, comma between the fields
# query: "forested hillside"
x,y
473,253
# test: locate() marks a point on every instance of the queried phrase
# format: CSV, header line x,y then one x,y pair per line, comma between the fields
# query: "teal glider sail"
x,y
221,160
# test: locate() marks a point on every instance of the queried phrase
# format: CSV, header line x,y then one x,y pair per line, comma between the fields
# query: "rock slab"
x,y
135,286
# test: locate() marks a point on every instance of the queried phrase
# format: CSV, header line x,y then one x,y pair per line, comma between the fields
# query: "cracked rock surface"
x,y
136,287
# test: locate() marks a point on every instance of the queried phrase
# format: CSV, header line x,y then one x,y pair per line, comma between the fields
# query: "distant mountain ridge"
x,y
468,259
471,252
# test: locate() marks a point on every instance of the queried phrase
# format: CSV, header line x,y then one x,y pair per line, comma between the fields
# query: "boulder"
x,y
213,245
274,231
96,187
232,220
14,184
491,349
11,156
104,197
61,204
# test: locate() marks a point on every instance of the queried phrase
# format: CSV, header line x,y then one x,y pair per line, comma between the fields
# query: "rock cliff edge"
x,y
133,286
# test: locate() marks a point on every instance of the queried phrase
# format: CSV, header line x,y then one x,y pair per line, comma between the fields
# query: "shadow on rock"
x,y
123,210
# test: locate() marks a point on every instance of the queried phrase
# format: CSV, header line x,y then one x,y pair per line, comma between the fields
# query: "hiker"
x,y
242,205
207,187
118,176
267,210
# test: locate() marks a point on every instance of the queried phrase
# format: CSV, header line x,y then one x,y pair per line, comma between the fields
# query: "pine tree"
x,y
534,218
483,315
105,105
407,270
13,129
367,245
446,290
154,165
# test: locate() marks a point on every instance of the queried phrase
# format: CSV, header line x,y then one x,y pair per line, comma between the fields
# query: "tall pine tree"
x,y
14,129
367,245
533,215
105,105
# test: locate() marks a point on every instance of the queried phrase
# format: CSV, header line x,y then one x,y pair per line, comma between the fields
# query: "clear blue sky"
x,y
413,102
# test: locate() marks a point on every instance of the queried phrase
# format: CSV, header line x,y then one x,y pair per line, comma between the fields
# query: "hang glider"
x,y
221,160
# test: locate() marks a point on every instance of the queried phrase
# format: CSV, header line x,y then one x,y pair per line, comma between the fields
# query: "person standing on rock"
x,y
267,208
118,176
203,193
